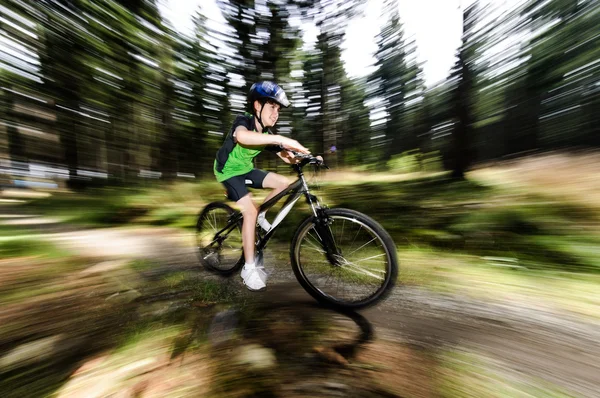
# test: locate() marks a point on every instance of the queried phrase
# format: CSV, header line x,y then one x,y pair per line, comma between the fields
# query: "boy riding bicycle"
x,y
234,167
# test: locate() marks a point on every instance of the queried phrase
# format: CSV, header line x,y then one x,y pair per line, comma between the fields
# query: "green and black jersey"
x,y
232,158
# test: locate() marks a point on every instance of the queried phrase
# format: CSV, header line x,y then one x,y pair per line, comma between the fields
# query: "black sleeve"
x,y
241,120
274,148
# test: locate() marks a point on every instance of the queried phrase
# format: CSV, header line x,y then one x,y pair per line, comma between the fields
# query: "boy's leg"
x,y
250,212
254,278
238,192
276,182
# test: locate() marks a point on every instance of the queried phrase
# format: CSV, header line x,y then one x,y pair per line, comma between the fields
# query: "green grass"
x,y
27,289
484,278
210,291
468,375
97,207
446,233
163,204
144,338
38,275
42,380
143,265
480,216
9,231
472,218
26,246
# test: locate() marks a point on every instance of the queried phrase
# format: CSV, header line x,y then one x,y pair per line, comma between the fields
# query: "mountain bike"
x,y
341,257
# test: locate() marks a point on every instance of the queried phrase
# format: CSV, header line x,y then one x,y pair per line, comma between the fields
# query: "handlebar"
x,y
309,159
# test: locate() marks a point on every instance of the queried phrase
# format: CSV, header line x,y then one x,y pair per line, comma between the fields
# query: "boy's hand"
x,y
288,157
293,145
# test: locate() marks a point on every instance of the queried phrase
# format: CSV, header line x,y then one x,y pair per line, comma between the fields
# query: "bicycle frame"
x,y
295,190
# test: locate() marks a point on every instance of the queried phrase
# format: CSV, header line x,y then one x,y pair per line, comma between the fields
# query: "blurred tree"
x,y
354,144
65,75
333,73
562,63
586,72
323,76
167,162
461,152
323,69
131,46
283,40
16,146
241,16
394,80
105,85
20,78
546,92
313,81
208,105
440,111
278,45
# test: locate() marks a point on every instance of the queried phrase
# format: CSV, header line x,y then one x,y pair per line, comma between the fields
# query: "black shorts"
x,y
237,187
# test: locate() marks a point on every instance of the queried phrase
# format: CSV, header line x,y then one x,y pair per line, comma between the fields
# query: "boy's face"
x,y
270,113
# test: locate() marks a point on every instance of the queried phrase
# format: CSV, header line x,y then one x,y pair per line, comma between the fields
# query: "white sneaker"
x,y
262,221
255,278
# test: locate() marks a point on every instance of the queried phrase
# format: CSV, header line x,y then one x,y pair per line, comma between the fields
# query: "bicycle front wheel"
x,y
218,239
363,268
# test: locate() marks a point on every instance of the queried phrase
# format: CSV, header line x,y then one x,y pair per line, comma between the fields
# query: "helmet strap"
x,y
258,116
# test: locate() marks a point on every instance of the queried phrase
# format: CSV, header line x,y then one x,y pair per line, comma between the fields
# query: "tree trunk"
x,y
16,144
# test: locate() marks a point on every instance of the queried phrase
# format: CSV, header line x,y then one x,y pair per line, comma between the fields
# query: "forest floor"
x,y
498,297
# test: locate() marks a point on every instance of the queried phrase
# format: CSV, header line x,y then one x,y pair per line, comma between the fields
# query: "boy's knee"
x,y
246,205
283,182
250,211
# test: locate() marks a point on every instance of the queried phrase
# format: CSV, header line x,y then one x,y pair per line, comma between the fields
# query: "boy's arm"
x,y
287,157
251,138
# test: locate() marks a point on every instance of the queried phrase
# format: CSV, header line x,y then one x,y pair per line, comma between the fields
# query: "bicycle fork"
x,y
322,227
323,230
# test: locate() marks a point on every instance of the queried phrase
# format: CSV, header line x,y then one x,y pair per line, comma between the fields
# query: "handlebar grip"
x,y
310,158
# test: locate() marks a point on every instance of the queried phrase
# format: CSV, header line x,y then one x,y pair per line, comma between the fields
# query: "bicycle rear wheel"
x,y
363,269
219,240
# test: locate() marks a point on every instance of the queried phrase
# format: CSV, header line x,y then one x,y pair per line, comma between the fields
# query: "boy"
x,y
234,167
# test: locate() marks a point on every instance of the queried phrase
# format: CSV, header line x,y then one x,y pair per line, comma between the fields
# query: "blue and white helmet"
x,y
264,91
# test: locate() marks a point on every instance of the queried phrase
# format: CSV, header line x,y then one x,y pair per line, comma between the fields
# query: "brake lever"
x,y
313,161
299,155
320,163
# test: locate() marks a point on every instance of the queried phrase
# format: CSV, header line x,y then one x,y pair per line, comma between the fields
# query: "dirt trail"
x,y
520,340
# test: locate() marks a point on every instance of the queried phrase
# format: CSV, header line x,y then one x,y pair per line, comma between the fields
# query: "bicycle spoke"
x,y
316,232
368,258
330,276
362,246
219,252
323,262
355,236
312,236
213,224
359,270
315,247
